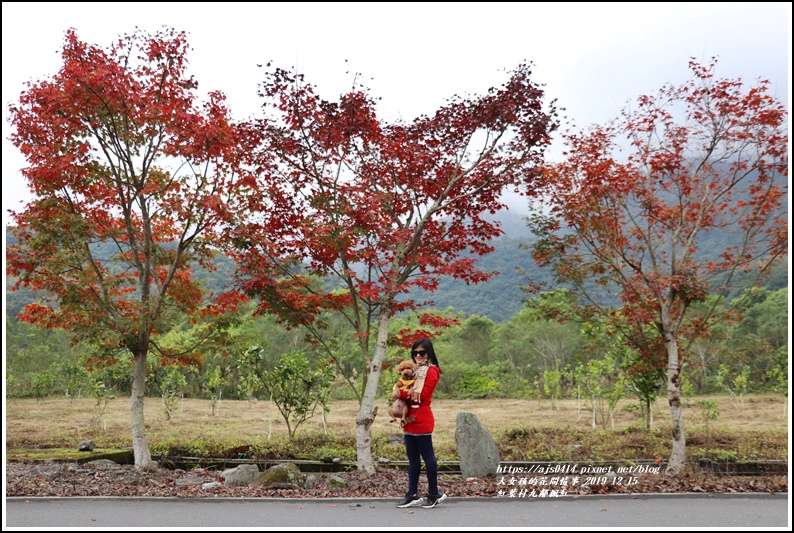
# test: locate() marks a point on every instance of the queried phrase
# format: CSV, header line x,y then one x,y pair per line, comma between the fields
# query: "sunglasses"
x,y
421,353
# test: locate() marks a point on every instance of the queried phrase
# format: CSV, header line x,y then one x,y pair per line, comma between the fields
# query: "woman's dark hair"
x,y
431,353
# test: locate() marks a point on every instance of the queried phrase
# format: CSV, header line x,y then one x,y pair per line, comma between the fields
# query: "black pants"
x,y
420,447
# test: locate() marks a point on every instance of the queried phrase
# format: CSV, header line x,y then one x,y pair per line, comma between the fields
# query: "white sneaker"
x,y
432,501
410,501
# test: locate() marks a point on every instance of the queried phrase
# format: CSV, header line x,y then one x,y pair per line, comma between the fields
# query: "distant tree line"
x,y
530,355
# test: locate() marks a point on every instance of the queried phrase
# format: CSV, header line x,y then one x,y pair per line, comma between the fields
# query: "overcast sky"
x,y
592,57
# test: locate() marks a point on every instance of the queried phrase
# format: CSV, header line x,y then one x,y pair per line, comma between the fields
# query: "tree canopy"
x,y
627,211
129,177
380,207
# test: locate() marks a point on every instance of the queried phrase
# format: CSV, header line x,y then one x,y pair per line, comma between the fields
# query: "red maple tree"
x,y
375,209
630,207
129,179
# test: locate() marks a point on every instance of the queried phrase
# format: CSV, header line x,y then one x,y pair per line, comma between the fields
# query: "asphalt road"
x,y
724,511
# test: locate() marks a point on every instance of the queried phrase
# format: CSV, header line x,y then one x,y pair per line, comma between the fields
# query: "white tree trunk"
x,y
140,446
677,459
368,410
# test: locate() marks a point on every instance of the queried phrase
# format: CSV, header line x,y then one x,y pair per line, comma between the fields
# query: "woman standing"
x,y
419,432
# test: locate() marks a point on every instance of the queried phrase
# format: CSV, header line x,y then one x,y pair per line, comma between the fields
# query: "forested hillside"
x,y
498,299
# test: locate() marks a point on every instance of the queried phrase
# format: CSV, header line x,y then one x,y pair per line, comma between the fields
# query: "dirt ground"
x,y
58,422
54,422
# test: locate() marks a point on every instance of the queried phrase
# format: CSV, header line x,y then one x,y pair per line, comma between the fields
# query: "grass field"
x,y
524,429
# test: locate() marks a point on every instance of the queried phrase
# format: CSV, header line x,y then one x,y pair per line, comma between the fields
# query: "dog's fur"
x,y
399,409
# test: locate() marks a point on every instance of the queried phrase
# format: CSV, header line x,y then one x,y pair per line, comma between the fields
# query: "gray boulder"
x,y
336,483
284,475
478,452
86,446
240,475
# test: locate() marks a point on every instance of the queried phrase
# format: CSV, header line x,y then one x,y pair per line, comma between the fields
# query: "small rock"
x,y
188,481
336,482
281,473
103,464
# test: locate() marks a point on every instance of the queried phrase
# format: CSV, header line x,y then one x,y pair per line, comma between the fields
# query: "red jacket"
x,y
424,421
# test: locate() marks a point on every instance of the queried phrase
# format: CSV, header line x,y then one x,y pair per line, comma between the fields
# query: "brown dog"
x,y
399,408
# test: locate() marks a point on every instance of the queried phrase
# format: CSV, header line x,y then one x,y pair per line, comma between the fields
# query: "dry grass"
x,y
59,423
